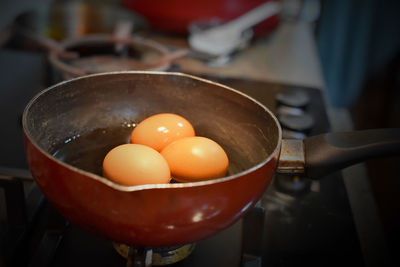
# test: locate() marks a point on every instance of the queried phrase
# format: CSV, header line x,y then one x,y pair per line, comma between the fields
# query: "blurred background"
x,y
348,49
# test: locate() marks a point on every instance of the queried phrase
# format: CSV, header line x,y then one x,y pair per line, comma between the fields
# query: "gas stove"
x,y
296,222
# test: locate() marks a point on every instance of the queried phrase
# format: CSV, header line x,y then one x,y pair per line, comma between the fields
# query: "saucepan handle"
x,y
320,155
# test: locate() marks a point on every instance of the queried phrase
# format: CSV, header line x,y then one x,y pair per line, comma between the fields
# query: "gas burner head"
x,y
154,256
292,185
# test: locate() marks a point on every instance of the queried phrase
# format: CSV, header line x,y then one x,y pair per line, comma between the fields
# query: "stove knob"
x,y
296,98
286,110
288,134
300,123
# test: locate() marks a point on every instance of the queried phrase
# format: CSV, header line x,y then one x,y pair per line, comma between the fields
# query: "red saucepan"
x,y
177,15
100,109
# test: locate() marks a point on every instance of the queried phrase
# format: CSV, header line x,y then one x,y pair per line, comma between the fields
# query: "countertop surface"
x,y
288,55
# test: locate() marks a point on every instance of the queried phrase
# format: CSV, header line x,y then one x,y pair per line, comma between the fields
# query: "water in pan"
x,y
87,151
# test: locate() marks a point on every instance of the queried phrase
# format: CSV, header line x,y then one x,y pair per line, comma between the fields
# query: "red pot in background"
x,y
176,15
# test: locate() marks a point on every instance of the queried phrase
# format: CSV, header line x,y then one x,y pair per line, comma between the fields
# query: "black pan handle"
x,y
330,152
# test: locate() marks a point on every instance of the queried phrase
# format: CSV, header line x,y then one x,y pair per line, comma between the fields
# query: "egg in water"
x,y
159,130
133,164
196,158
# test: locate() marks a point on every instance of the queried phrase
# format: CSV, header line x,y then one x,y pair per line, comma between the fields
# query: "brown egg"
x,y
133,164
159,130
196,158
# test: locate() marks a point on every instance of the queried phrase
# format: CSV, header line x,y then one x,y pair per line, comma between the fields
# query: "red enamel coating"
x,y
147,217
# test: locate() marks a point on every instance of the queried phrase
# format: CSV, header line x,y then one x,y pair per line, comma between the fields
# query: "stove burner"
x,y
154,256
292,185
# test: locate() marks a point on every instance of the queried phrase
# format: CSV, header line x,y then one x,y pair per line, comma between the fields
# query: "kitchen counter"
x,y
288,55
